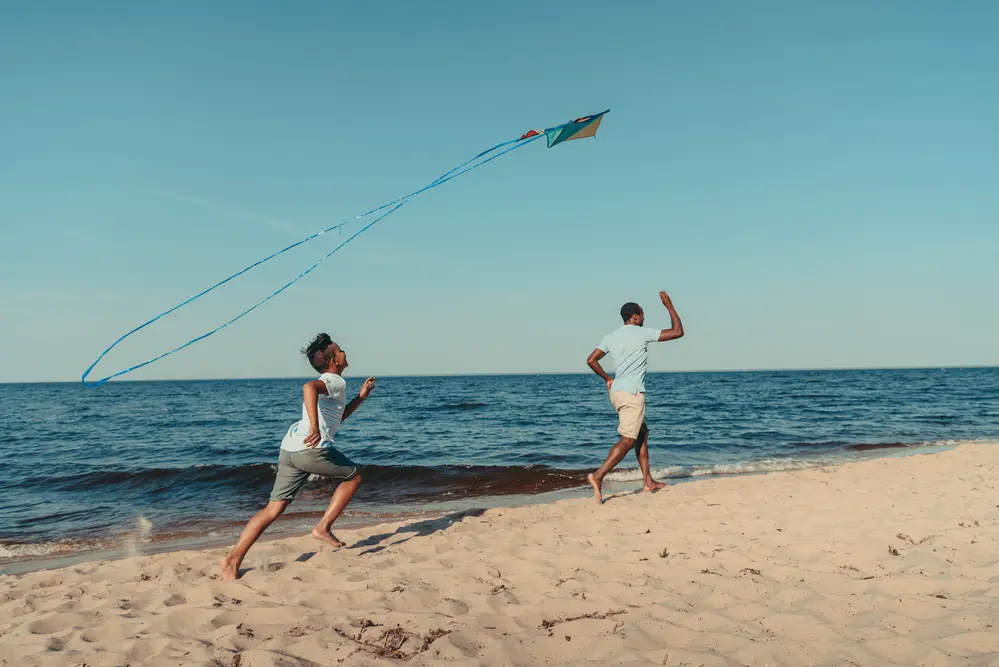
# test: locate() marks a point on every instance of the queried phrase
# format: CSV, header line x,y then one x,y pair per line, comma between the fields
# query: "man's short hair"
x,y
629,310
315,352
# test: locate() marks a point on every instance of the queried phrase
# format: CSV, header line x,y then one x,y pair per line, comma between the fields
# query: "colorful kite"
x,y
579,128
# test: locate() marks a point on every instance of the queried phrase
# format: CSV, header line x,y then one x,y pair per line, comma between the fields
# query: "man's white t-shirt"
x,y
331,407
628,346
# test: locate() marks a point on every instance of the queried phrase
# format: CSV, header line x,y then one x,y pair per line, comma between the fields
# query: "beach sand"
x,y
880,562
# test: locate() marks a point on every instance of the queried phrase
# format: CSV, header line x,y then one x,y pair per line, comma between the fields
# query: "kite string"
x,y
461,169
311,237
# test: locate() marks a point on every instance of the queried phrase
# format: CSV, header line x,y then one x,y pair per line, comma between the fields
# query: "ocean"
x,y
133,467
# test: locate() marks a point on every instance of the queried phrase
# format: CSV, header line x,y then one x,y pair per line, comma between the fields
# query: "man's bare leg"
x,y
617,452
254,529
338,502
642,452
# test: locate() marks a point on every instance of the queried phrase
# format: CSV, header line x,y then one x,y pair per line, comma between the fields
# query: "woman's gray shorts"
x,y
294,469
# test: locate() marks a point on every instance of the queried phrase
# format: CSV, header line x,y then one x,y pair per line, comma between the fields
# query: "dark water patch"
x,y
151,477
393,484
868,447
942,420
819,445
847,446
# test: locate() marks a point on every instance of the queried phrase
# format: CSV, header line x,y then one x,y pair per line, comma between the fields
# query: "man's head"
x,y
632,313
325,355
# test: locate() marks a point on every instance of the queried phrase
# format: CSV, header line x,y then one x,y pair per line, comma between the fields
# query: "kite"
x,y
580,128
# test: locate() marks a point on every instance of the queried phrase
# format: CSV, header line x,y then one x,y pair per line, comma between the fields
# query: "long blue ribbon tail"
x,y
393,206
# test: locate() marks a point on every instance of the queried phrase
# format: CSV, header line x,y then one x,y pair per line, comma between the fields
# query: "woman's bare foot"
x,y
327,537
654,486
230,572
596,487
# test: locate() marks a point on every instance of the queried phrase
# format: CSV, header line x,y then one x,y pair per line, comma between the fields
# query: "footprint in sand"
x,y
224,619
144,649
187,623
50,625
175,600
69,605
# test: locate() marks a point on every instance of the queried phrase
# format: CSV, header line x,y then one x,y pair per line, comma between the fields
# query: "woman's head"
x,y
324,355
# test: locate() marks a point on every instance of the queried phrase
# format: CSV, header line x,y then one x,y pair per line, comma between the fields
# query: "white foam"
x,y
740,468
763,465
635,475
779,464
34,550
16,551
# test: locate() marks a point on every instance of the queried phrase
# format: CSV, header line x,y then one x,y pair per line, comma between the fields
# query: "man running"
x,y
307,449
628,346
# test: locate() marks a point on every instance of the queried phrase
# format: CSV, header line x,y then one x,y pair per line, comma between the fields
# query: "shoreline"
x,y
881,561
298,524
283,529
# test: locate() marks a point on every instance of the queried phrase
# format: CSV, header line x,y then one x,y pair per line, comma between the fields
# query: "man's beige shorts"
x,y
630,411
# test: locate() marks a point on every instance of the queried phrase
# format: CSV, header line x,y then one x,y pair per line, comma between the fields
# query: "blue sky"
x,y
815,184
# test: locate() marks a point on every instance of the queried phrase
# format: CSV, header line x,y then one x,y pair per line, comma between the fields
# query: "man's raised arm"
x,y
362,396
675,331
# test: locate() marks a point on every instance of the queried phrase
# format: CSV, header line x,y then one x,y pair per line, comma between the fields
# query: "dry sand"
x,y
891,561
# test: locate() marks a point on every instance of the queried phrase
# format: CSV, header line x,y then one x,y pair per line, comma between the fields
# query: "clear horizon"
x,y
359,377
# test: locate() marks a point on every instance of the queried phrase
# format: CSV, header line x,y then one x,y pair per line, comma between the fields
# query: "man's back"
x,y
628,345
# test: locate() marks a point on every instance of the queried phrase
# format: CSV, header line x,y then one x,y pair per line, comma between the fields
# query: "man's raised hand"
x,y
367,387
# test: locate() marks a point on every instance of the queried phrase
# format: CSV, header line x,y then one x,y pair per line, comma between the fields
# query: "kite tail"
x,y
392,207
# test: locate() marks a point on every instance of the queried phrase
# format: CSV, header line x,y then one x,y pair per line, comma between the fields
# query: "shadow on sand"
x,y
375,543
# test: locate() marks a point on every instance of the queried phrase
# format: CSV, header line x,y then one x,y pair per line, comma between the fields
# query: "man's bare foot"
x,y
596,487
327,537
653,486
230,572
